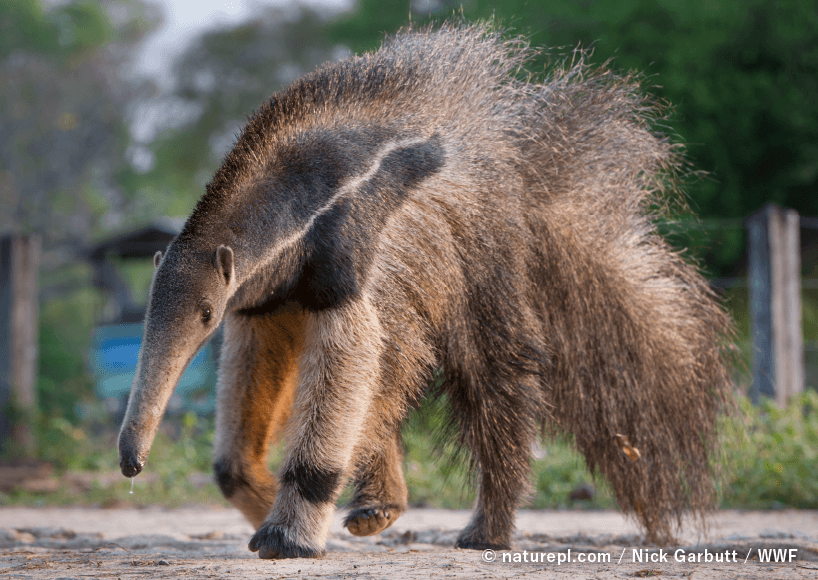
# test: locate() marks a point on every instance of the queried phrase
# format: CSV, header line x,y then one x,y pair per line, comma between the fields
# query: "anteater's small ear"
x,y
157,257
224,263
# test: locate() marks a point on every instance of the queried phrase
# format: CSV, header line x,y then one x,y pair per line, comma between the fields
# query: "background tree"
x,y
219,80
63,135
64,129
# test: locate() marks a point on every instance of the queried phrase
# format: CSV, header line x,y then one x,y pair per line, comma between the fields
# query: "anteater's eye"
x,y
206,314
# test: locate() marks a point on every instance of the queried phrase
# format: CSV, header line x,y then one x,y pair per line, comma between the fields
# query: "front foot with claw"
x,y
271,542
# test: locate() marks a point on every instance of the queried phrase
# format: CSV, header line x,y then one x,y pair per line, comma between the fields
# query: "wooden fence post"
x,y
19,263
775,303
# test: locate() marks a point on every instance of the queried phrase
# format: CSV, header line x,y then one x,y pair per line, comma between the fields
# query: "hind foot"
x,y
467,544
370,521
474,537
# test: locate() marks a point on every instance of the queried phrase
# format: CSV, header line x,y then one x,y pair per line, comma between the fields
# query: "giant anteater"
x,y
426,207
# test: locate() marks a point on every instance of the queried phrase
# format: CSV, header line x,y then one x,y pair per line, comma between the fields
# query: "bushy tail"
x,y
636,334
635,337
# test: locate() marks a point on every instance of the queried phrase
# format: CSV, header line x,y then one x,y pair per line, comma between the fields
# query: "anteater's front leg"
x,y
339,373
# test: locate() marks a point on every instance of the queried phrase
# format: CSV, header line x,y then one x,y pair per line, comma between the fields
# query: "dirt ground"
x,y
205,542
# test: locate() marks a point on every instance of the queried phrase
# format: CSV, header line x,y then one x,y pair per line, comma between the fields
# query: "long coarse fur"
x,y
426,207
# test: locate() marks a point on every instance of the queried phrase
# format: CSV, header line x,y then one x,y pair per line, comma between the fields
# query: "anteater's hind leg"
x,y
257,379
498,422
380,491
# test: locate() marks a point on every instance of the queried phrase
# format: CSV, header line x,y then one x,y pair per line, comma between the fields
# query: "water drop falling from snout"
x,y
131,492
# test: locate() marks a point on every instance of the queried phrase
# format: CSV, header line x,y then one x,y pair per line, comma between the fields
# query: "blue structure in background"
x,y
114,354
115,344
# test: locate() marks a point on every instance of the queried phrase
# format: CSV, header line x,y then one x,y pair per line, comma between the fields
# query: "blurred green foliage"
x,y
65,334
179,470
769,460
772,455
63,30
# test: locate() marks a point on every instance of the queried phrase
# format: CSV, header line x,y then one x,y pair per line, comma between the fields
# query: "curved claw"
x,y
369,521
271,543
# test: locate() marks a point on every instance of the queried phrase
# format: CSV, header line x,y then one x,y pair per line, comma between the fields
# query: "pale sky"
x,y
185,19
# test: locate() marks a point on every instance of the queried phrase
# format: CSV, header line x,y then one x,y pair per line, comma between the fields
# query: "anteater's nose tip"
x,y
130,467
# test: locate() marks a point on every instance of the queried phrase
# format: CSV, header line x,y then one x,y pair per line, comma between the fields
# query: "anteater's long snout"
x,y
130,466
129,463
152,387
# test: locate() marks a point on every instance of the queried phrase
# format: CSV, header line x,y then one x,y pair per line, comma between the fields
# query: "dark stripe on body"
x,y
339,248
342,243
